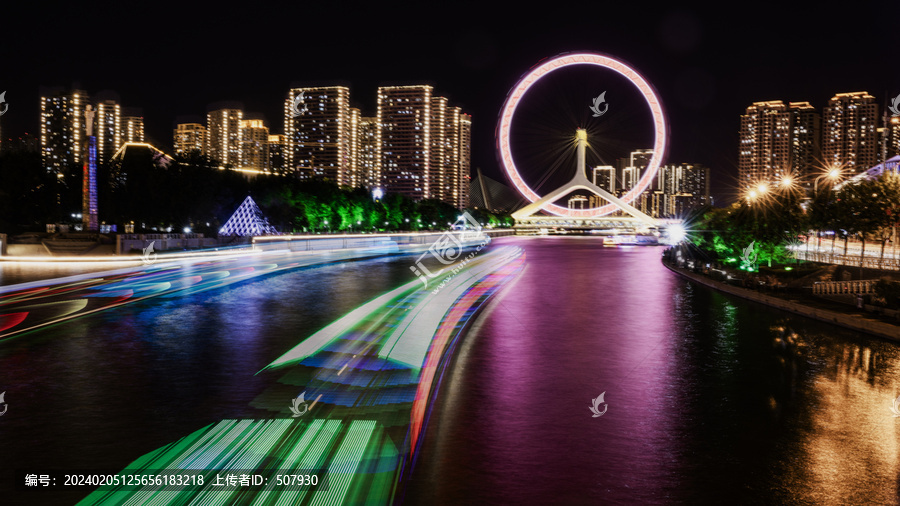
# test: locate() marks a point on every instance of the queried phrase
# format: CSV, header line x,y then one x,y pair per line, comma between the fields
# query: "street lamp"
x,y
833,173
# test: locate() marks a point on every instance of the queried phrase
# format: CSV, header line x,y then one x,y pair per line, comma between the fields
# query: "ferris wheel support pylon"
x,y
580,182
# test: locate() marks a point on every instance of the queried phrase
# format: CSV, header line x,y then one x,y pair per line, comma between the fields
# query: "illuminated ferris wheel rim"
x,y
660,133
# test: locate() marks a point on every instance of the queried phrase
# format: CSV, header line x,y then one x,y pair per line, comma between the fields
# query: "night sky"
x,y
707,64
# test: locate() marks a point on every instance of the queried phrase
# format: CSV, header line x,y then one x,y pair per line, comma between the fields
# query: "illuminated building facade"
x,y
632,166
133,129
464,160
224,136
317,129
354,171
605,178
806,138
108,129
682,187
62,130
890,138
850,131
254,145
765,143
425,145
189,138
440,150
276,153
367,152
404,116
578,202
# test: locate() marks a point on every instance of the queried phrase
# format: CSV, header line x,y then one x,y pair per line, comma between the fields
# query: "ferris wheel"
x,y
505,142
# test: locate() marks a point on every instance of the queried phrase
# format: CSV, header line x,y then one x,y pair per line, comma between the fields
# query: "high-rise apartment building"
x,y
464,159
318,137
132,128
224,136
441,163
368,152
605,178
63,130
633,166
404,117
806,138
276,154
355,174
683,187
850,122
765,143
889,138
189,137
108,129
254,145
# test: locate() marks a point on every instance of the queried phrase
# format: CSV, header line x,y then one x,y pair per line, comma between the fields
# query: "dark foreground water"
x,y
702,405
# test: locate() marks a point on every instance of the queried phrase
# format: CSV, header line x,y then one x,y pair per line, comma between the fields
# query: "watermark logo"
x,y
596,107
3,403
448,248
295,406
149,256
894,107
748,257
595,408
4,102
295,106
895,408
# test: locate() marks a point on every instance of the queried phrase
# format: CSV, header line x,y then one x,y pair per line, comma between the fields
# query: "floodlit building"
x,y
368,152
605,178
276,153
464,159
765,143
682,187
850,122
318,137
637,161
404,117
189,138
778,140
63,130
578,202
806,138
425,147
108,129
889,138
254,145
132,129
224,136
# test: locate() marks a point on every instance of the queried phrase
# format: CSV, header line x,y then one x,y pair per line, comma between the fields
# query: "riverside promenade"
x,y
825,311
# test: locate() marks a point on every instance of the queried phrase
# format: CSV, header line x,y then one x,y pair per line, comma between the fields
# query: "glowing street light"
x,y
833,173
677,233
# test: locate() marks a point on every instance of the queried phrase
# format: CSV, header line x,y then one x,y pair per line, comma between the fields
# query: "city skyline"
x,y
704,69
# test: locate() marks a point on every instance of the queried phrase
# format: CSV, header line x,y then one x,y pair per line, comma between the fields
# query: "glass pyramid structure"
x,y
247,221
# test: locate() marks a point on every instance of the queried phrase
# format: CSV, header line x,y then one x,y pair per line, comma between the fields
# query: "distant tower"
x,y
89,181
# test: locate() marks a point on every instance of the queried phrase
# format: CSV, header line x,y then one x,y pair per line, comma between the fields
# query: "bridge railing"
x,y
870,262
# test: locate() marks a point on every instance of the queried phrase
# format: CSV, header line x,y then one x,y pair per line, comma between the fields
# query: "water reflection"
x,y
712,399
